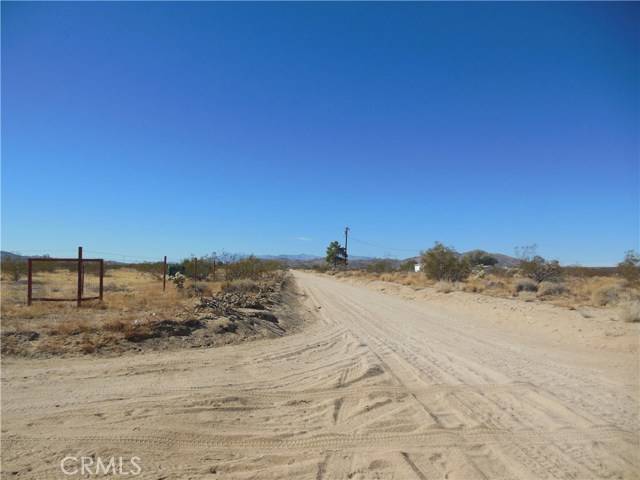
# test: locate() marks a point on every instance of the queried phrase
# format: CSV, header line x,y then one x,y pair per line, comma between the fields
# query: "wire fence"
x,y
78,278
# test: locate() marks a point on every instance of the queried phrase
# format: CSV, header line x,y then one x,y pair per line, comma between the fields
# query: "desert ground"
x,y
380,382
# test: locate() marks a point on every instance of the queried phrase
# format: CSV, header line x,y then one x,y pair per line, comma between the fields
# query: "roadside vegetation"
x,y
136,314
534,278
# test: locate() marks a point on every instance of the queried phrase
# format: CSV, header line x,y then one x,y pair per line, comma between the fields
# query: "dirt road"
x,y
375,386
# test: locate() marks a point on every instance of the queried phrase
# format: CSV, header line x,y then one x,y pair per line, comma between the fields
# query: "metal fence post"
x,y
29,281
79,299
164,274
101,278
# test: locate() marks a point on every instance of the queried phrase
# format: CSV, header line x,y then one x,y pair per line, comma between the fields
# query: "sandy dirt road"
x,y
374,387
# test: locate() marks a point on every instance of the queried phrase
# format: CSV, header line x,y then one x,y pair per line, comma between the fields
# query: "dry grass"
x,y
548,289
241,286
132,300
607,295
445,287
410,279
572,292
525,285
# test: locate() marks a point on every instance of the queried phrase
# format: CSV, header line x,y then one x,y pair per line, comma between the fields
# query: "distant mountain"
x,y
10,256
298,256
505,260
305,258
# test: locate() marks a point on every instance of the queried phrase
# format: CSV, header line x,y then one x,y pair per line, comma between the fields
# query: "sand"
x,y
376,385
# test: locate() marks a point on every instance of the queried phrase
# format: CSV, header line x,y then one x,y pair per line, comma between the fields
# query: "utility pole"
x,y
346,239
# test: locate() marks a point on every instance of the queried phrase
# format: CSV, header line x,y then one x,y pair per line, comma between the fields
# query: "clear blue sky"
x,y
178,128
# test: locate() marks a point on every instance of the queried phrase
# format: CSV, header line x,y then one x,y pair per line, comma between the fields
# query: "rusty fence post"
x,y
101,279
79,298
164,274
29,281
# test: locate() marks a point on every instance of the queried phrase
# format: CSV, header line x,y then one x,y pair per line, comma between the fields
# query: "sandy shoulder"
x,y
586,329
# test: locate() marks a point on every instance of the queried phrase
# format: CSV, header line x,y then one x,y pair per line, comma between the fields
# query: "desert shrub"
x,y
198,268
444,286
53,346
588,272
137,331
607,295
224,325
198,290
178,280
478,272
155,269
250,267
87,345
551,288
474,287
630,312
243,285
336,254
629,268
116,325
494,285
16,268
504,272
381,266
11,345
480,257
539,269
408,266
525,285
444,263
114,287
71,327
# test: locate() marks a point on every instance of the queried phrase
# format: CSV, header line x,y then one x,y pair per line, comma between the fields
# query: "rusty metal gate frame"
x,y
80,289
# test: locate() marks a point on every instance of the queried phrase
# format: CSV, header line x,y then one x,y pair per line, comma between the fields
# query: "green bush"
x,y
250,267
540,270
336,254
444,263
480,257
203,268
408,266
153,268
15,268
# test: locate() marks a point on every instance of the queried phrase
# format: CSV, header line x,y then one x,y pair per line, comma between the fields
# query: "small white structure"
x,y
417,267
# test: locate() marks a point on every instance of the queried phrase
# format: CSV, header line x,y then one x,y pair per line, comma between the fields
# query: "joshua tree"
x,y
336,254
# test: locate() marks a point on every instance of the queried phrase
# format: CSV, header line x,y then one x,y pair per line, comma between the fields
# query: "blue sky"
x,y
178,128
